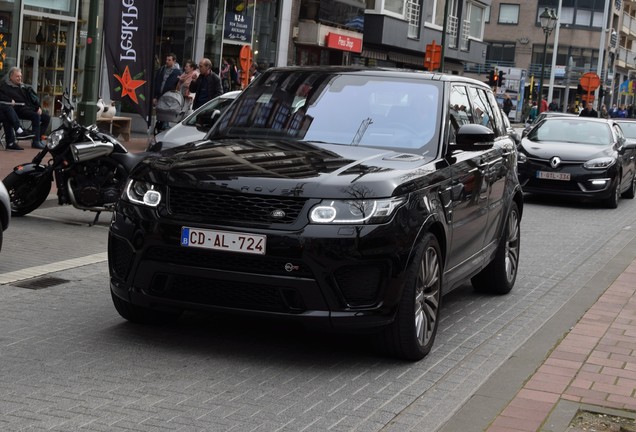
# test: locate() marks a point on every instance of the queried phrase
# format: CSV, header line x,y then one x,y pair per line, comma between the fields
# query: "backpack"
x,y
171,107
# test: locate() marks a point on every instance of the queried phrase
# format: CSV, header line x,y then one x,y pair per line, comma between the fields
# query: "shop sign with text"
x,y
238,28
344,43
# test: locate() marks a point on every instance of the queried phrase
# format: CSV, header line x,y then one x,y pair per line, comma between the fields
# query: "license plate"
x,y
223,240
553,175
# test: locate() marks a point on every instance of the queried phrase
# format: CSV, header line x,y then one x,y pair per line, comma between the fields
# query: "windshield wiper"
x,y
361,130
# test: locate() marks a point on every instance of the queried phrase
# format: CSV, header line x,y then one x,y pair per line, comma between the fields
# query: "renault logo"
x,y
555,162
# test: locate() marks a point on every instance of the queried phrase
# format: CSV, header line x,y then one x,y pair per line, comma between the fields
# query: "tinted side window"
x,y
500,123
459,110
482,111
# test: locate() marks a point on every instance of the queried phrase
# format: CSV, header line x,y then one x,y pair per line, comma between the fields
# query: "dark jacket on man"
x,y
206,87
171,80
20,94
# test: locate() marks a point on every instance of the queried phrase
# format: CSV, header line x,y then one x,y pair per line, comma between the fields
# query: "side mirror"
x,y
206,120
474,137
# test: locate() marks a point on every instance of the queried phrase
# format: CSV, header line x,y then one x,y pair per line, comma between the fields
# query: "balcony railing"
x,y
629,25
485,68
451,31
626,56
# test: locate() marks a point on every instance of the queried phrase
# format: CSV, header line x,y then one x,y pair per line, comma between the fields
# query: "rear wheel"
x,y
499,276
412,334
27,192
141,315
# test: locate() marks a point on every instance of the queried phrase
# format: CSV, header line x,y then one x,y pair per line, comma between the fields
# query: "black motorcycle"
x,y
90,169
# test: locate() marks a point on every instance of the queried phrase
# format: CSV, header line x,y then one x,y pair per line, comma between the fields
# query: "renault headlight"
x,y
141,192
354,211
54,138
599,163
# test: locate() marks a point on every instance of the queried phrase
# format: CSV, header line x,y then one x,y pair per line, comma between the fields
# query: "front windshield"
x,y
340,108
629,129
576,130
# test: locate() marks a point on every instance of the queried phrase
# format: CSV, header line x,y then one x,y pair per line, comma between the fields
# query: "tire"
x,y
411,335
499,276
142,315
27,192
631,192
612,201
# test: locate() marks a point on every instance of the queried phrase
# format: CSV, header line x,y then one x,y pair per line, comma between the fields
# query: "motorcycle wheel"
x,y
26,191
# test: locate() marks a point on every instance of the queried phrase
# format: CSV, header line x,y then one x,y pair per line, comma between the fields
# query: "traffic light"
x,y
601,92
491,78
495,79
501,80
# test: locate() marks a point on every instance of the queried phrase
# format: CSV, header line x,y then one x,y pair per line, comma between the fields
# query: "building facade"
x,y
590,37
48,38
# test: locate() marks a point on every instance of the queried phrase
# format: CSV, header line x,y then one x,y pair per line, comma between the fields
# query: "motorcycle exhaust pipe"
x,y
89,151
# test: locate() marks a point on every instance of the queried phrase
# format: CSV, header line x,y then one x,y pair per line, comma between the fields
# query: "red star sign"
x,y
129,85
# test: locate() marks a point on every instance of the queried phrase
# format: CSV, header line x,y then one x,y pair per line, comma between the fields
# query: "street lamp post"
x,y
548,21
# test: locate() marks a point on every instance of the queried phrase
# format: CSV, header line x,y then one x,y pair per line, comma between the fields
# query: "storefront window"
x,y
9,24
176,30
58,7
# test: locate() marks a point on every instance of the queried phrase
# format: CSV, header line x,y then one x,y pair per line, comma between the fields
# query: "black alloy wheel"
x,y
411,335
499,276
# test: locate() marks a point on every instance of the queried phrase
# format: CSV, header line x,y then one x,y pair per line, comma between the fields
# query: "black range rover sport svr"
x,y
346,197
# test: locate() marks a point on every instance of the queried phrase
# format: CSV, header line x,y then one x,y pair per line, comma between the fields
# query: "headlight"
x,y
141,192
599,163
354,211
521,157
54,138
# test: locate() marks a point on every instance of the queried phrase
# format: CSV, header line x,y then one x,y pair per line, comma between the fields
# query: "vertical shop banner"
x,y
129,29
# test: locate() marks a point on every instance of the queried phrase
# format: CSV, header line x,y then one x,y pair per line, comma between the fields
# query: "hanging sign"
x,y
129,31
238,28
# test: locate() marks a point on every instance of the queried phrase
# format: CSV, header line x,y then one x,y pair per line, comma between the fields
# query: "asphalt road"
x,y
69,362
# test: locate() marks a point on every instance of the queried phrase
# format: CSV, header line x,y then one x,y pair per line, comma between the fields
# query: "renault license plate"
x,y
223,240
553,175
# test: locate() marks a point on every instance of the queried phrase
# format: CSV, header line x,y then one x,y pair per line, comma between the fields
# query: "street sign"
x,y
433,56
590,81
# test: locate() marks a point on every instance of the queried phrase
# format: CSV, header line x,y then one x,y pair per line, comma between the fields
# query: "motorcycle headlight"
x,y
54,138
354,211
521,157
599,163
141,192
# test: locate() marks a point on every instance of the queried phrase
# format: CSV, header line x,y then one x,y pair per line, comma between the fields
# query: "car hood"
x,y
566,151
179,134
286,167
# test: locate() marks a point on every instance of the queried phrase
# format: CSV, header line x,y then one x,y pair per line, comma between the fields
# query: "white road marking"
x,y
41,270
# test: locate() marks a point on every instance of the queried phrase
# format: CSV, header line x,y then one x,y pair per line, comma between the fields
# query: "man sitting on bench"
x,y
27,104
10,123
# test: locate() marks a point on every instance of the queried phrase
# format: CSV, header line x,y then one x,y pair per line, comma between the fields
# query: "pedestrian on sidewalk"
x,y
12,127
166,80
207,86
26,104
190,73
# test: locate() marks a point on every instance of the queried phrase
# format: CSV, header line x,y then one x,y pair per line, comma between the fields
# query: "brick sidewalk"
x,y
595,364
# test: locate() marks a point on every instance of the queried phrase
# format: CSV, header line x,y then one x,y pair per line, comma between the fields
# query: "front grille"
x,y
222,293
229,261
120,256
360,285
217,206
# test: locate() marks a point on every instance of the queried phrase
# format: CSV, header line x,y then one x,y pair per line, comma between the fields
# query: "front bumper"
x,y
583,183
335,276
